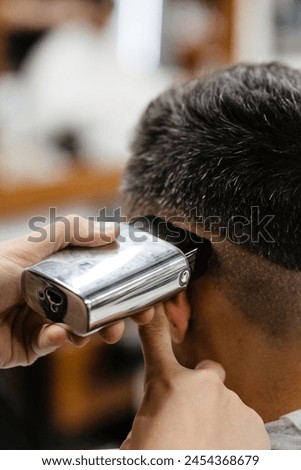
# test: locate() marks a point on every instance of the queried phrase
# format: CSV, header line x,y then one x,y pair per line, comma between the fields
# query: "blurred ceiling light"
x,y
139,34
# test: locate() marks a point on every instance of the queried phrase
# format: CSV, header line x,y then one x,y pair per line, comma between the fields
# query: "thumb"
x,y
70,230
214,367
74,230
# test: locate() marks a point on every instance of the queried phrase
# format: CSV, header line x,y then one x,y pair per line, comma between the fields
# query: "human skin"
x,y
24,335
188,408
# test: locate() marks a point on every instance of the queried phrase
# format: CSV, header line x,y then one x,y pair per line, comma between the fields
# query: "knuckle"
x,y
166,383
74,219
210,378
71,217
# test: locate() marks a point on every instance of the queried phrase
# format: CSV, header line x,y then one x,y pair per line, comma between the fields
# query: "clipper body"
x,y
89,288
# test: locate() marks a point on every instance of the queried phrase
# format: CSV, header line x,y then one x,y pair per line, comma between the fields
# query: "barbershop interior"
x,y
75,76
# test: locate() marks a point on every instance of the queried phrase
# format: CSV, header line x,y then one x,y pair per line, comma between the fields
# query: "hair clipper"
x,y
89,288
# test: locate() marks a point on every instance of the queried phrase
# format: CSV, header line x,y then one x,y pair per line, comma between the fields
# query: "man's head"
x,y
225,151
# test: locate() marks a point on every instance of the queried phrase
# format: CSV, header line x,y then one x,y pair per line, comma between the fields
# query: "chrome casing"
x,y
103,285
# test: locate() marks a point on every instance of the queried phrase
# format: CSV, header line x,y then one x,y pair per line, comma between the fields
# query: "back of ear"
x,y
178,313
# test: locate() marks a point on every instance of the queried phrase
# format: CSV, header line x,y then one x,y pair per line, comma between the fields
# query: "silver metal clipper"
x,y
89,288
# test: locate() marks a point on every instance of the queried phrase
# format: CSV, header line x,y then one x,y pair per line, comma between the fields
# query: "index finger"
x,y
72,230
156,345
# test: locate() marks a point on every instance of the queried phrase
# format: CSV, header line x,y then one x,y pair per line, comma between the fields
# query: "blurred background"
x,y
75,75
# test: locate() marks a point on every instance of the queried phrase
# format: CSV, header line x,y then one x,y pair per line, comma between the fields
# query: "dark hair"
x,y
221,145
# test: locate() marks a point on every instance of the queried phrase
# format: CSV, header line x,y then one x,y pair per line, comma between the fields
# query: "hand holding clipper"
x,y
88,289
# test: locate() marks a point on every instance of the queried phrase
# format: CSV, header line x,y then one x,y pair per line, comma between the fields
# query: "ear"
x,y
178,312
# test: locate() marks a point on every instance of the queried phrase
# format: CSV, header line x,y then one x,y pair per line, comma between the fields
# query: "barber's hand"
x,y
24,334
188,409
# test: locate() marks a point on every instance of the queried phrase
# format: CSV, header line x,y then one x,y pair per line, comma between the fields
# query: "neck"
x,y
268,380
264,372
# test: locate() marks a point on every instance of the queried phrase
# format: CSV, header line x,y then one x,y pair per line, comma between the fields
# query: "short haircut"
x,y
226,145
222,145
